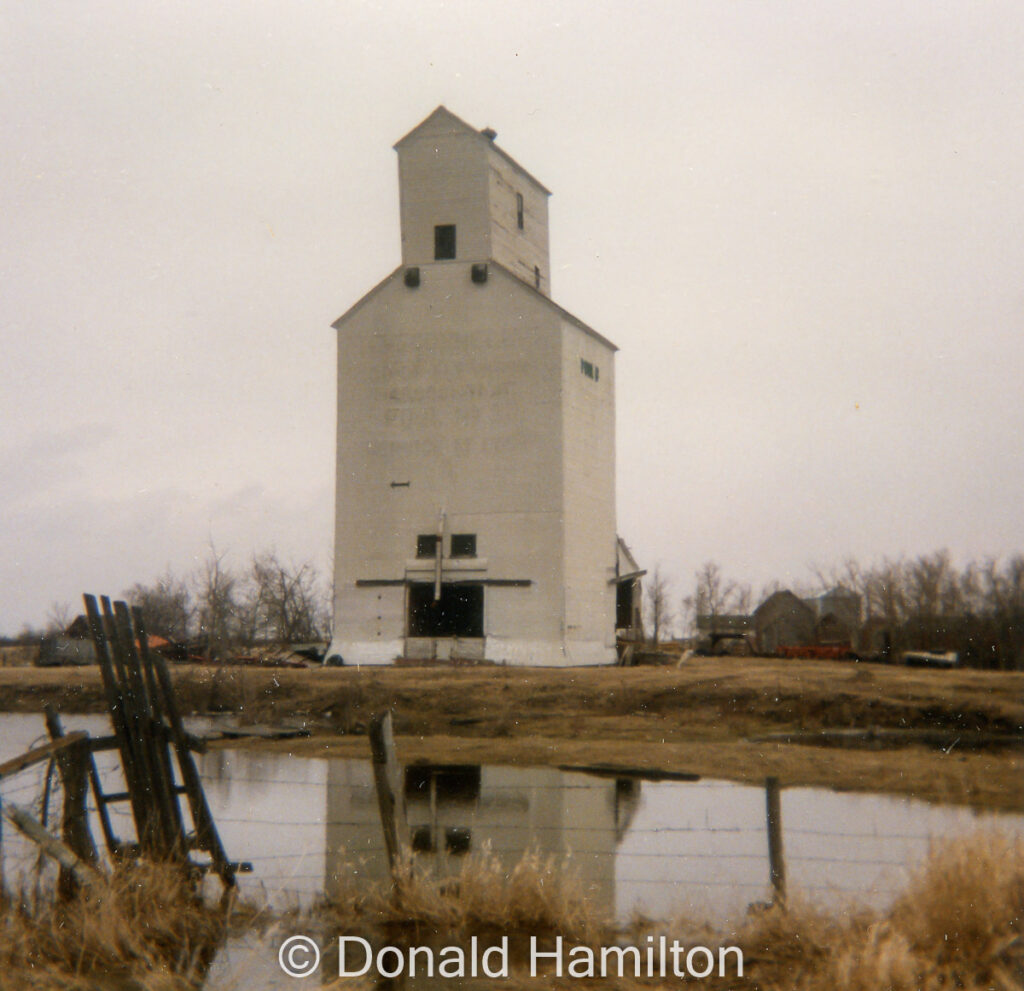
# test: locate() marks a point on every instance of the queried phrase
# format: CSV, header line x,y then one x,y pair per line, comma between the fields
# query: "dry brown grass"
x,y
957,925
141,929
967,905
537,895
703,718
718,696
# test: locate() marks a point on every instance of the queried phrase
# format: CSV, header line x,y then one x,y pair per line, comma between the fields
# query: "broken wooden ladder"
x,y
156,756
151,739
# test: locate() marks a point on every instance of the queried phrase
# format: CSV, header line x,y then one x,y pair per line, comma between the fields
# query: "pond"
x,y
308,824
698,847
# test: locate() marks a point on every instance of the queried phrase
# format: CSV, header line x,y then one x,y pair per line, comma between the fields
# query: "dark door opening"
x,y
458,613
624,605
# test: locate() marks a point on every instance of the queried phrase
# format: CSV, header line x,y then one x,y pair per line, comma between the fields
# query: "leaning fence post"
x,y
3,880
56,730
74,774
75,823
388,781
776,862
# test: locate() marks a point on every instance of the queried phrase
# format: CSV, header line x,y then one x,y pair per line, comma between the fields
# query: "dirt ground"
x,y
708,717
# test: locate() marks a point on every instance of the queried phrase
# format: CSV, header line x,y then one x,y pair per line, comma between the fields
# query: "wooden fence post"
x,y
390,793
73,764
3,880
776,861
75,831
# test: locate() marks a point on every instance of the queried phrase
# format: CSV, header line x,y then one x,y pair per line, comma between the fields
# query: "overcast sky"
x,y
802,223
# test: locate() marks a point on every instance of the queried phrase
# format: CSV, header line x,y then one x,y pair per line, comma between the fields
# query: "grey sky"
x,y
801,222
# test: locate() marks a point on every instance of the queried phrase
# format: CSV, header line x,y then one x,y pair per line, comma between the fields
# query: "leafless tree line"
x,y
929,602
269,601
926,603
714,595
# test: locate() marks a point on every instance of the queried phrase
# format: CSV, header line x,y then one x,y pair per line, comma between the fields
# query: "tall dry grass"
x,y
142,929
958,924
537,895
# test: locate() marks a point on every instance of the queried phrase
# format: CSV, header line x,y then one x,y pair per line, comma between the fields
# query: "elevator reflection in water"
x,y
312,827
455,810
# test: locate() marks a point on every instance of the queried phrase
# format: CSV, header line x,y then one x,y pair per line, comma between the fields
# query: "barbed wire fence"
x,y
313,852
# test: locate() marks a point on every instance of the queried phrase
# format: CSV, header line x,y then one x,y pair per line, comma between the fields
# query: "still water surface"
x,y
309,825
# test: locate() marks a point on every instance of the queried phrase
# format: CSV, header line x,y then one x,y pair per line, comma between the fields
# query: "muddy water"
x,y
309,826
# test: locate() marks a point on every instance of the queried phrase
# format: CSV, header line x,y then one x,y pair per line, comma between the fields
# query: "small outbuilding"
x,y
783,620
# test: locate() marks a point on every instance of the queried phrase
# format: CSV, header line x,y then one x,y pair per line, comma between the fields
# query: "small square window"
x,y
423,840
426,545
463,545
444,242
519,210
590,369
458,840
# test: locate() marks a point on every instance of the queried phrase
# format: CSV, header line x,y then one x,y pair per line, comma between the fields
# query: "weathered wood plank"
x,y
148,825
24,822
166,814
116,705
207,837
38,754
263,732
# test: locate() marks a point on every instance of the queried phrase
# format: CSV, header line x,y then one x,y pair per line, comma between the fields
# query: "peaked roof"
x,y
787,600
498,268
452,124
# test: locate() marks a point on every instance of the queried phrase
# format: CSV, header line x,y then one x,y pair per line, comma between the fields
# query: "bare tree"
x,y
688,614
928,582
715,595
885,592
166,605
287,603
58,617
927,602
1004,609
218,605
656,596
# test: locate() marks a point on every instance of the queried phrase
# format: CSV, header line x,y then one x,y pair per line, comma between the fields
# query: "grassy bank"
x,y
140,929
707,717
957,924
